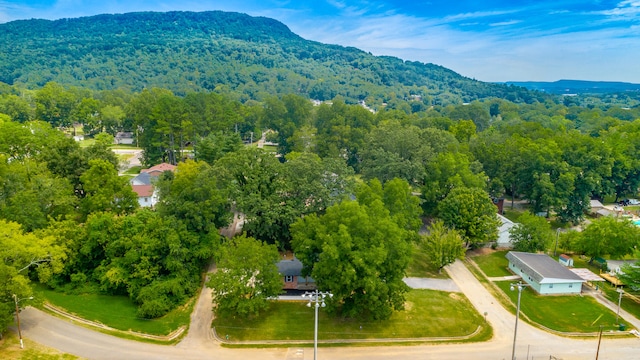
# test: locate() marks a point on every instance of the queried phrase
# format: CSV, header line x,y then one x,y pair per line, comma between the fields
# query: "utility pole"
x,y
17,301
599,339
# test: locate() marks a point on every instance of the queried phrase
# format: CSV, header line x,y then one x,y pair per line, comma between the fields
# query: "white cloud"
x,y
506,23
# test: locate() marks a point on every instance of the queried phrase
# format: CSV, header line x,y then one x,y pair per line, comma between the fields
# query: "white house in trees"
x,y
504,235
144,184
545,275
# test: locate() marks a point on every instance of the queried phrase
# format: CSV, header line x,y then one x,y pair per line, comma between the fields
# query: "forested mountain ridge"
x,y
227,52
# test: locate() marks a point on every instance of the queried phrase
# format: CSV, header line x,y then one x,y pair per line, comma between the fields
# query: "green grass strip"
x,y
117,312
570,313
428,313
494,264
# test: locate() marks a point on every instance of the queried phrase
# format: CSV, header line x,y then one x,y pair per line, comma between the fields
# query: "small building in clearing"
x,y
565,260
544,274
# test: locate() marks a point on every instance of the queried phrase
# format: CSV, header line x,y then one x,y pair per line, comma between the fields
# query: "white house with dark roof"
x,y
545,275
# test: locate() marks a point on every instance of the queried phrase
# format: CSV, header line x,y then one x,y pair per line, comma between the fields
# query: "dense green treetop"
x,y
360,249
608,236
442,245
471,212
246,277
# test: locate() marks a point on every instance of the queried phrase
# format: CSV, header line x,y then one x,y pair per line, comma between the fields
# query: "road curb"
x,y
225,340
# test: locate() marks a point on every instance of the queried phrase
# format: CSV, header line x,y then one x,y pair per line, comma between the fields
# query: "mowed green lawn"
x,y
571,313
419,266
118,312
494,264
428,313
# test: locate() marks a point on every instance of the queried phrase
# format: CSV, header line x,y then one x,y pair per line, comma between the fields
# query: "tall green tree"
x,y
23,253
314,183
31,196
531,234
286,115
441,245
359,253
246,277
471,212
630,275
608,236
342,130
106,191
145,112
18,108
196,196
398,198
391,151
55,105
446,172
216,145
258,188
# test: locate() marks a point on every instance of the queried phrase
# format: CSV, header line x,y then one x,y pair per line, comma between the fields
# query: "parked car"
x,y
633,201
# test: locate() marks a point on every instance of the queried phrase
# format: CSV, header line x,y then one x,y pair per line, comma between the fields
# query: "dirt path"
x,y
199,334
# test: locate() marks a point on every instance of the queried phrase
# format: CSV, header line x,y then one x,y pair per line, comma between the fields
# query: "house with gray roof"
x,y
504,232
291,271
545,275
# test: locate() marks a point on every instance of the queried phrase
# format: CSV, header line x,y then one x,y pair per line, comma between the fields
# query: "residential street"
x,y
70,338
134,158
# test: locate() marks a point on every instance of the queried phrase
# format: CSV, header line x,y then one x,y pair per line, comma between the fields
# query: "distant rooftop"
x,y
159,168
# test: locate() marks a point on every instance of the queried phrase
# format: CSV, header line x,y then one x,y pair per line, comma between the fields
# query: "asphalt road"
x,y
531,342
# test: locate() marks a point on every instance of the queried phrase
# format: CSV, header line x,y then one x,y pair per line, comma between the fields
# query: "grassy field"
x,y
630,301
428,313
419,266
582,314
135,170
87,142
117,312
494,264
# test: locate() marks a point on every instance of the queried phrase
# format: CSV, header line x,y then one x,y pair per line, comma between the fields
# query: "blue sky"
x,y
491,40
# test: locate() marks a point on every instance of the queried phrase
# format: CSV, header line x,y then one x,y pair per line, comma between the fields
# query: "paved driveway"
x,y
433,284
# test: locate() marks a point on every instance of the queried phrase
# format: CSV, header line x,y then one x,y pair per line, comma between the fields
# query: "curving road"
x,y
532,342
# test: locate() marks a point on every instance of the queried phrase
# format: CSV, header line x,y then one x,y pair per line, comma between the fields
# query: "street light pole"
x,y
620,292
520,285
556,247
317,299
17,301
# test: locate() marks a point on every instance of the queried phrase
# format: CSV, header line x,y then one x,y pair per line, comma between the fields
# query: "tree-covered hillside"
x,y
227,52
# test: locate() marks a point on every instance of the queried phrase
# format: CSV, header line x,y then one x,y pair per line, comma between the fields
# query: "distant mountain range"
x,y
577,86
251,57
